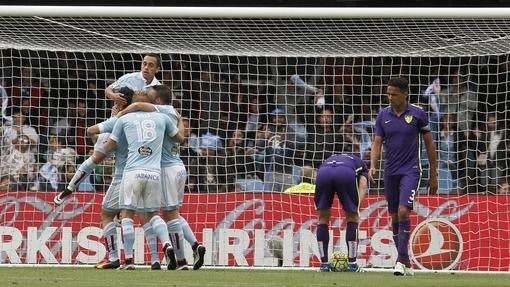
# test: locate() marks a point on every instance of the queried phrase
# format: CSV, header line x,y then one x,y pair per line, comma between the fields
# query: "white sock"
x,y
128,234
187,232
110,236
84,170
152,241
176,235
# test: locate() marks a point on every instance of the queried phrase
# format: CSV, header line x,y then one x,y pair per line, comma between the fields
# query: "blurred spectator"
x,y
26,86
5,103
459,99
239,156
277,150
503,186
352,139
341,104
254,117
210,97
306,90
19,163
54,174
497,149
432,94
5,183
323,140
57,156
488,153
10,134
81,140
448,154
64,122
208,172
103,174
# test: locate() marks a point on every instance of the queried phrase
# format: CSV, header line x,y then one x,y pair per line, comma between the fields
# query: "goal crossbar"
x,y
252,12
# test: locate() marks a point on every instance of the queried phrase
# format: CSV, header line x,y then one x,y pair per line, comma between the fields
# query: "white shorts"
x,y
173,181
101,141
141,191
111,197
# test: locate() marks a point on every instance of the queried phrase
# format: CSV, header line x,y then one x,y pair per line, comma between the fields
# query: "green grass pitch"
x,y
81,277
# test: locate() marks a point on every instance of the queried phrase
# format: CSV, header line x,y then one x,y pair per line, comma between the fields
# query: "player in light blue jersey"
x,y
140,81
136,81
173,180
110,205
141,184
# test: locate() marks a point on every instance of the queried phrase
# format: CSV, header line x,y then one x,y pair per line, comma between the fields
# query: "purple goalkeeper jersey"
x,y
402,138
354,162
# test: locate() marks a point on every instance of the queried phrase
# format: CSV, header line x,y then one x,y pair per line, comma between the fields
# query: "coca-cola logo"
x,y
436,244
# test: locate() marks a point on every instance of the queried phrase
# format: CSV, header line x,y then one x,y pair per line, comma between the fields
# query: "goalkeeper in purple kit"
x,y
401,127
346,176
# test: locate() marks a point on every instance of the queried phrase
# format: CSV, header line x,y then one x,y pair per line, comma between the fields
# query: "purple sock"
x,y
323,241
394,225
351,238
403,241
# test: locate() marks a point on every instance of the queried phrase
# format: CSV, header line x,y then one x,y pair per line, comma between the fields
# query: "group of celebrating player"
x,y
149,175
145,138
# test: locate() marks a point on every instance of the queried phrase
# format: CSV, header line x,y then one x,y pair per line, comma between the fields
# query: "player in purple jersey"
x,y
346,176
401,127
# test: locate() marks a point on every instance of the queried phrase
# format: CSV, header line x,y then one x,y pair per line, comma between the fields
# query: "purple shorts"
x,y
401,190
340,180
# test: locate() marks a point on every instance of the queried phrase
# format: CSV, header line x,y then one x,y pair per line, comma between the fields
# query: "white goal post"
x,y
238,76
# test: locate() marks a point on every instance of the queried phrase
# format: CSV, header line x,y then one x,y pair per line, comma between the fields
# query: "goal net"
x,y
265,100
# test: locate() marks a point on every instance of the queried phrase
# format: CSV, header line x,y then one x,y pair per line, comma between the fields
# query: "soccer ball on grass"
x,y
339,261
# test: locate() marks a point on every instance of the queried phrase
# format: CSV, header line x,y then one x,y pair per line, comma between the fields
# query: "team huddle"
x,y
149,175
144,135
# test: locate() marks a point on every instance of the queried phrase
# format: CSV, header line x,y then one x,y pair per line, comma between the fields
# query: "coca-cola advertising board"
x,y
470,232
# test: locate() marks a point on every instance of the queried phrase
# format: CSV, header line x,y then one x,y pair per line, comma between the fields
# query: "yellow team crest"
x,y
408,119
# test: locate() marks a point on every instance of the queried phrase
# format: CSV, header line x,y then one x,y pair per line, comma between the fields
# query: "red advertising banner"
x,y
470,232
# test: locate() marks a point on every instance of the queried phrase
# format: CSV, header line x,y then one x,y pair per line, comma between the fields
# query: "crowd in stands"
x,y
256,127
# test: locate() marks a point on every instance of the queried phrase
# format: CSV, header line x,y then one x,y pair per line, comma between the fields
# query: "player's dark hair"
x,y
400,83
158,60
164,94
128,94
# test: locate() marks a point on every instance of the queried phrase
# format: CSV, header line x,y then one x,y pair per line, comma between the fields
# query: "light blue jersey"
x,y
135,81
144,133
121,152
170,154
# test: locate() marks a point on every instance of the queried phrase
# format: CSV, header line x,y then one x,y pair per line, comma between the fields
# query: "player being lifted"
x,y
136,81
346,176
110,201
143,80
110,204
140,189
401,126
173,179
